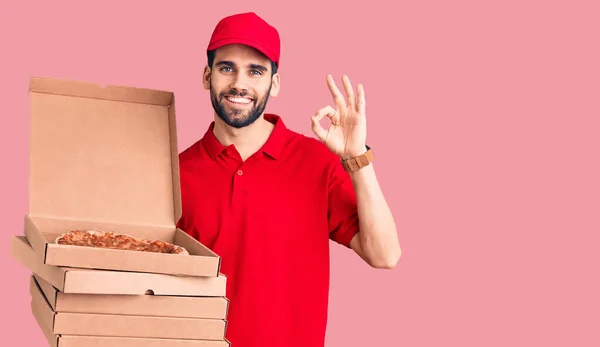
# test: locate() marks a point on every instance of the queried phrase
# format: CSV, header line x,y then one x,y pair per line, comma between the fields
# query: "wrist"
x,y
356,162
363,173
352,153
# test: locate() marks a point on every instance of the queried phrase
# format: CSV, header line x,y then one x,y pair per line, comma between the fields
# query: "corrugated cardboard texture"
x,y
41,311
88,324
81,281
41,314
102,154
139,305
83,341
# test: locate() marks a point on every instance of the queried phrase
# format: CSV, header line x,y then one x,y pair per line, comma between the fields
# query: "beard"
x,y
238,118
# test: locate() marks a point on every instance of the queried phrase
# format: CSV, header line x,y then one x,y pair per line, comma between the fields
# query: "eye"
x,y
225,68
256,72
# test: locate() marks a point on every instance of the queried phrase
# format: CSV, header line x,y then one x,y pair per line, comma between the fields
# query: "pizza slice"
x,y
107,239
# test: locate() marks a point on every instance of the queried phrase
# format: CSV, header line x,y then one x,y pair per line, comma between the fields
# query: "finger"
x,y
317,128
349,91
361,99
338,98
330,112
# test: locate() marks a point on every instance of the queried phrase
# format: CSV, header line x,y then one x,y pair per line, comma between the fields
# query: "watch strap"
x,y
358,162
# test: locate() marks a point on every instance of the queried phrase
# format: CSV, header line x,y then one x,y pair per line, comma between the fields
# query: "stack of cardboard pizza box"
x,y
106,159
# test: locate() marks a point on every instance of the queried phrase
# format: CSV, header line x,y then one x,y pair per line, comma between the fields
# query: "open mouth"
x,y
238,100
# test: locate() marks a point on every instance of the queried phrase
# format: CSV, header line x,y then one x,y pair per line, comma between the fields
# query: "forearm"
x,y
378,238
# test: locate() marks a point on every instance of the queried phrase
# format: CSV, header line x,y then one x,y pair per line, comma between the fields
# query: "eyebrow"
x,y
258,67
251,66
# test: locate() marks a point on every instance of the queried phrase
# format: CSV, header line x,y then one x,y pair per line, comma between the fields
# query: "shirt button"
x,y
240,172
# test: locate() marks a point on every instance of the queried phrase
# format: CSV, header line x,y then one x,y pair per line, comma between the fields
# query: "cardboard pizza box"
x,y
107,158
109,325
87,281
139,305
44,320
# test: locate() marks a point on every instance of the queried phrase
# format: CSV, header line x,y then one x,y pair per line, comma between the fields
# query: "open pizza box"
x,y
112,325
88,281
106,158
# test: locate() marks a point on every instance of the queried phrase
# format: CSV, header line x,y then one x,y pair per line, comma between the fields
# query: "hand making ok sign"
x,y
347,133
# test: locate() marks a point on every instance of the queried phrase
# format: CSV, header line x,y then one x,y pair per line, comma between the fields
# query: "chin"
x,y
238,123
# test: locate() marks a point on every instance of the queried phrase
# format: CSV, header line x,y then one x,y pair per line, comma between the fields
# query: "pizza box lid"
x,y
107,156
103,153
183,306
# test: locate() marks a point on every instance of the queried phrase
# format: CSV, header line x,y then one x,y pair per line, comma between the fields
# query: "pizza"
x,y
104,239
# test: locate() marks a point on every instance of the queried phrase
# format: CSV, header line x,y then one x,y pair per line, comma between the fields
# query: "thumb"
x,y
317,128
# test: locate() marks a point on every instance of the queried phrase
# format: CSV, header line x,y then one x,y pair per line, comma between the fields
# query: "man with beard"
x,y
236,117
268,199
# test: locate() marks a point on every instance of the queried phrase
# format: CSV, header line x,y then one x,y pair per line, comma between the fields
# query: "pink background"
x,y
484,119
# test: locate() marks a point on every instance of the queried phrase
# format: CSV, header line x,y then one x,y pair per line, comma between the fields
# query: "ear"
x,y
206,78
276,84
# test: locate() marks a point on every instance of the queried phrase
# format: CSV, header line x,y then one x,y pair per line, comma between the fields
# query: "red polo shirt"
x,y
270,218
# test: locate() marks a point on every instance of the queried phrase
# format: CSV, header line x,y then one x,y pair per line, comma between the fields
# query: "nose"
x,y
240,81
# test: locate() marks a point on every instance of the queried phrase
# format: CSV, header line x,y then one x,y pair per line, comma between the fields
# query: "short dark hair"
x,y
211,59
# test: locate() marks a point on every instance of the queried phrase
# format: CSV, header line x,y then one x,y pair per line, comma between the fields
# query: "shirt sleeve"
x,y
342,207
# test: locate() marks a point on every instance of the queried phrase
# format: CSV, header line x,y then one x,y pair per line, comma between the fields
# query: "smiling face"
x,y
240,83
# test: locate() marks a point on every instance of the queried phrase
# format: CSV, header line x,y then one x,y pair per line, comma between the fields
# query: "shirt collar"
x,y
273,147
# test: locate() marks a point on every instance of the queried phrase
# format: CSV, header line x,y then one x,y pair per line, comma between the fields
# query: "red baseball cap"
x,y
248,29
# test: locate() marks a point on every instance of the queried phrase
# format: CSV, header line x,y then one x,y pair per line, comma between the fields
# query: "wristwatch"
x,y
358,162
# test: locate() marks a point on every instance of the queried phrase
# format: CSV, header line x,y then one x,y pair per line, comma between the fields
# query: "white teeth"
x,y
239,100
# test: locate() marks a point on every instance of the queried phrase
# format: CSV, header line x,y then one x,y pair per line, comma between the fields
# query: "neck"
x,y
247,140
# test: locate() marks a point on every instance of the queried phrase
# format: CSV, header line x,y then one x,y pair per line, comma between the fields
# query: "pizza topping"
x,y
100,239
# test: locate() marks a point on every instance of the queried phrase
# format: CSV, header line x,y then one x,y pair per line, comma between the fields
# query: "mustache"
x,y
235,92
